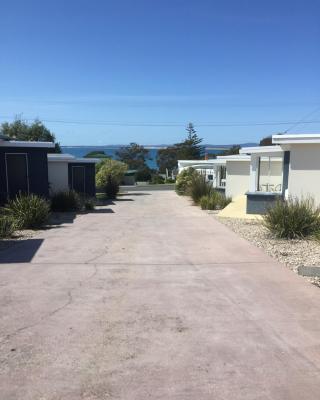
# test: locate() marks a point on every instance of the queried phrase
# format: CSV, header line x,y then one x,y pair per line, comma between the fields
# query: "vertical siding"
x,y
90,177
37,168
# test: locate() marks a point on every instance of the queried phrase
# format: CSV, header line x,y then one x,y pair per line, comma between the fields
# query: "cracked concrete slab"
x,y
156,300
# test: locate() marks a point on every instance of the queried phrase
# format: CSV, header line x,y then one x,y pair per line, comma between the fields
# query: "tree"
x,y
97,154
266,141
232,150
36,131
167,159
134,156
190,148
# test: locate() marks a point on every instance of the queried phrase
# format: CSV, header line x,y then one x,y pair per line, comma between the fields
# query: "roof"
x,y
296,138
235,157
20,143
199,162
64,157
264,150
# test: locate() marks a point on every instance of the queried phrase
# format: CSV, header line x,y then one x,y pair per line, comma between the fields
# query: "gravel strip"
x,y
292,253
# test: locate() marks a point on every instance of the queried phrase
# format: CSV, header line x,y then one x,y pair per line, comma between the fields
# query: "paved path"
x,y
154,300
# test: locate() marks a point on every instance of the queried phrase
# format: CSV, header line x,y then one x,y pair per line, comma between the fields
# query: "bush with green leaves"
x,y
214,201
28,211
66,201
7,226
199,187
109,168
224,201
157,179
293,218
184,179
143,174
88,203
111,188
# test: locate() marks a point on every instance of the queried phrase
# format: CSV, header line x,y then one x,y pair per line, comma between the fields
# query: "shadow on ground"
x,y
134,194
100,211
20,251
59,218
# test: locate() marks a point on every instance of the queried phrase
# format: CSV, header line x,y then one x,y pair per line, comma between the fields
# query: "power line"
x,y
172,124
301,121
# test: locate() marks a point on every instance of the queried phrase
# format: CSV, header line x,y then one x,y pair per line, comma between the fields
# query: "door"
x,y
17,174
78,179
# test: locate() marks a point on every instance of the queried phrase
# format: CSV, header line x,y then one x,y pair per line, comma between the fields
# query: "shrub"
x,y
214,201
66,201
28,211
199,187
143,175
108,167
224,201
169,180
88,204
183,180
293,218
111,188
157,179
7,226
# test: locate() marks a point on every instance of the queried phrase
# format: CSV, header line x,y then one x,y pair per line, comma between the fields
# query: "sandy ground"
x,y
151,298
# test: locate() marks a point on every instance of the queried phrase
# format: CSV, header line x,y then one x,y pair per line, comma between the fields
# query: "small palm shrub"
x,y
28,211
7,226
65,201
293,218
183,180
199,187
111,188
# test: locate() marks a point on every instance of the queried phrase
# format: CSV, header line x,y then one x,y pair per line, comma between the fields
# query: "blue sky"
x,y
160,62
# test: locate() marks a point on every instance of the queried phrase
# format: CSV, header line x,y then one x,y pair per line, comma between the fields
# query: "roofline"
x,y
20,143
199,162
261,150
296,138
69,158
235,157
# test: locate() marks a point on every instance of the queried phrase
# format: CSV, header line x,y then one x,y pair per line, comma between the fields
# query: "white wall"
x,y
304,172
271,173
238,176
58,176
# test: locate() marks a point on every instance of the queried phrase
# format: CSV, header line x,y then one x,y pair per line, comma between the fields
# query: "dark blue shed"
x,y
23,168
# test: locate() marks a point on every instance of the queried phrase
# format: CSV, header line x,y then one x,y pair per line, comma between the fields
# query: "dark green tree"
x,y
167,159
36,131
97,154
232,150
190,148
266,141
135,156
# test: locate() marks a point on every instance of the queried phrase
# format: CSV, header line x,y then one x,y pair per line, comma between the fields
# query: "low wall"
x,y
259,202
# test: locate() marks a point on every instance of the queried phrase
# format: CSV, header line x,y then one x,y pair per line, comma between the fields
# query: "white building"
x,y
67,172
299,174
302,166
266,182
214,170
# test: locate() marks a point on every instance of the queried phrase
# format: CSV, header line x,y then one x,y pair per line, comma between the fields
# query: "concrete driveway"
x,y
153,299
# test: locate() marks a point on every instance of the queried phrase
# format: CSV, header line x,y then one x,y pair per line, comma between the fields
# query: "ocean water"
x,y
81,151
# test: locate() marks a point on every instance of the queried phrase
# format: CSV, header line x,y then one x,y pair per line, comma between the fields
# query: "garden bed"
x,y
292,253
